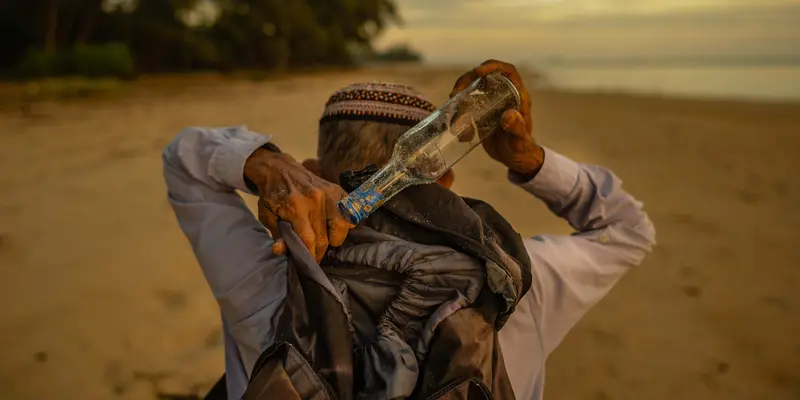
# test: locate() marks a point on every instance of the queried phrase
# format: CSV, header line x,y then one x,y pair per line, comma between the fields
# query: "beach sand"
x,y
102,297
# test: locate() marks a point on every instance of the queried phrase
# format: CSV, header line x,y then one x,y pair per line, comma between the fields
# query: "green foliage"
x,y
398,53
38,64
93,61
109,60
162,37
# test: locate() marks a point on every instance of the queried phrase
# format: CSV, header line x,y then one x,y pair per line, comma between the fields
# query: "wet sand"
x,y
102,297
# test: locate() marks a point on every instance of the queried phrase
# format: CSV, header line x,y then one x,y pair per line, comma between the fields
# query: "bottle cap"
x,y
360,204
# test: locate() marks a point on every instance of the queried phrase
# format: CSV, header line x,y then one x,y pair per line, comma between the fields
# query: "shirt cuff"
x,y
554,182
227,163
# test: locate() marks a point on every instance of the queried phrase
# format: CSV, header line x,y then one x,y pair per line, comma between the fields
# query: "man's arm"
x,y
572,273
203,169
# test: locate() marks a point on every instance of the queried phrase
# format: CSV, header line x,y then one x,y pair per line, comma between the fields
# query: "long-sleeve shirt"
x,y
203,168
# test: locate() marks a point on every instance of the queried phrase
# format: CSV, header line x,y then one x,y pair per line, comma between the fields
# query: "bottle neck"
x,y
391,178
383,185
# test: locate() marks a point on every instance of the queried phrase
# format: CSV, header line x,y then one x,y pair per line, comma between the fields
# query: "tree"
x,y
164,35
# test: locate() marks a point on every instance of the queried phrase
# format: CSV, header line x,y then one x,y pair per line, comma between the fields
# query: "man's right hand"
x,y
289,192
514,145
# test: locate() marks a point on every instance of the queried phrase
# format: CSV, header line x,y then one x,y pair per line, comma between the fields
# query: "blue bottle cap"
x,y
360,204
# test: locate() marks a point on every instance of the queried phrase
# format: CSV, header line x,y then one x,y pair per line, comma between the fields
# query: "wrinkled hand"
x,y
513,145
289,192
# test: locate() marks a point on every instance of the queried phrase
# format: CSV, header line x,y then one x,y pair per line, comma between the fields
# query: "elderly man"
x,y
204,167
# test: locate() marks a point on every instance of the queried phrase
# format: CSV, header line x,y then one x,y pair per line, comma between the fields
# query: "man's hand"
x,y
292,193
514,145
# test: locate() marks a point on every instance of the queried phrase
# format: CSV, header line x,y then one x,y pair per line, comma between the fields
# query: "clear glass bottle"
x,y
424,153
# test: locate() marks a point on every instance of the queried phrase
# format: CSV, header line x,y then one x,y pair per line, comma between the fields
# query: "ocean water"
x,y
755,83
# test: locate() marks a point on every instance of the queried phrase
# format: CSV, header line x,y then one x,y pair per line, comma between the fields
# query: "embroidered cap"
x,y
377,101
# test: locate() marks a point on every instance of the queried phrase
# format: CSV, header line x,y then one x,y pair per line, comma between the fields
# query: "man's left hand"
x,y
514,146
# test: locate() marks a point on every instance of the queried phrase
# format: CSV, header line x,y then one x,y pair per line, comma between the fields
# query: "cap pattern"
x,y
377,101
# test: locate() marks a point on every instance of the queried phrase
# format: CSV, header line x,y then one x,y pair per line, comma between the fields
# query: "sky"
x,y
457,31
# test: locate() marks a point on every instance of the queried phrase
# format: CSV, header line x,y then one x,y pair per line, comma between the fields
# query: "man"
x,y
241,261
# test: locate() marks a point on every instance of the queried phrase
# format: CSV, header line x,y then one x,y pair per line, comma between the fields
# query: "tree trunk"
x,y
86,28
51,26
87,24
67,19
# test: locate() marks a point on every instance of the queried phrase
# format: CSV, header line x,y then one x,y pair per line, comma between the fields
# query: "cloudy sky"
x,y
456,31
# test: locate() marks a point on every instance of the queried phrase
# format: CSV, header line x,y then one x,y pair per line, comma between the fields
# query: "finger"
x,y
463,81
270,220
338,227
510,71
294,210
279,247
300,219
319,223
337,231
514,123
303,229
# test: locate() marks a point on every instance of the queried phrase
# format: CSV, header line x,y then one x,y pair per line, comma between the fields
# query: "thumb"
x,y
513,123
279,247
270,220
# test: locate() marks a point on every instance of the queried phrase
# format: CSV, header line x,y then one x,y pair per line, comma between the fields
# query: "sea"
x,y
748,83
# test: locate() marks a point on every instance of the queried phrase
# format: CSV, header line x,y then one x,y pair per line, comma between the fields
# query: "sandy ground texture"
x,y
102,298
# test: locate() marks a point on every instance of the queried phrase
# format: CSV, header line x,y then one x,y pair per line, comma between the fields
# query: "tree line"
x,y
124,37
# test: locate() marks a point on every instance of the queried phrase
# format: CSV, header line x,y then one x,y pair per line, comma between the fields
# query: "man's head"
x,y
361,124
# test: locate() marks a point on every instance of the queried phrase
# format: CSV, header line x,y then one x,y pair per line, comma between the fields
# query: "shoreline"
x,y
78,90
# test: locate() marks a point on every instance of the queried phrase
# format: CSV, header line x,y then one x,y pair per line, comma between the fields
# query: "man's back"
x,y
424,285
569,273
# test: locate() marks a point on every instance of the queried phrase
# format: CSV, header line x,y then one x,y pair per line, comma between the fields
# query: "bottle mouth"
x,y
351,210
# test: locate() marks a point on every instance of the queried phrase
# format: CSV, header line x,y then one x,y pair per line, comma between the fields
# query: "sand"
x,y
102,297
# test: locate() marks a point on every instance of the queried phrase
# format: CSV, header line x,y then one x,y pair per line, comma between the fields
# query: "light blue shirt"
x,y
203,168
